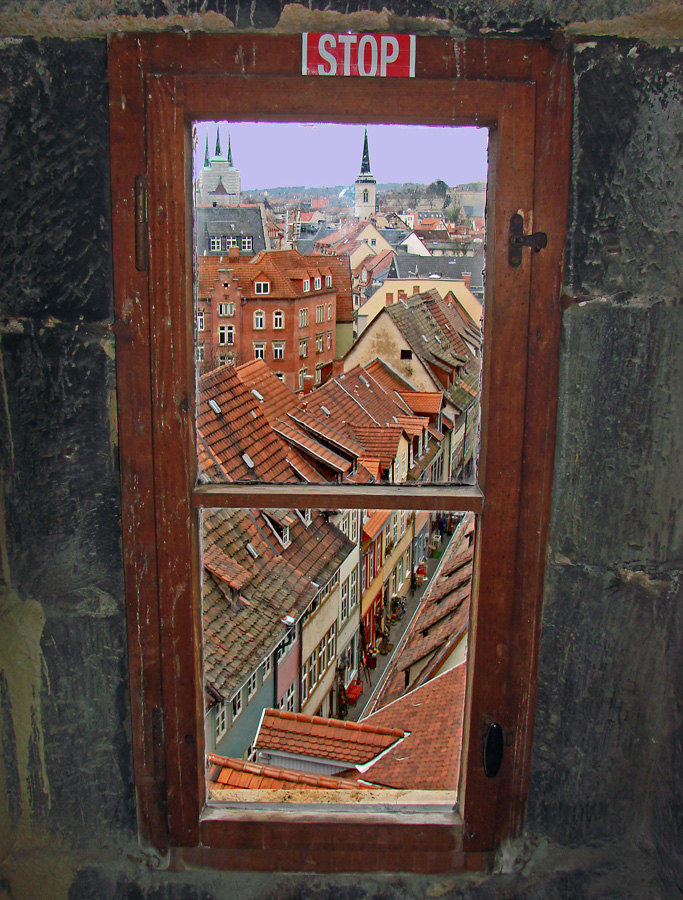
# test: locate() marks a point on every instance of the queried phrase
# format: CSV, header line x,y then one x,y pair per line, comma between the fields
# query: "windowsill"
x,y
423,836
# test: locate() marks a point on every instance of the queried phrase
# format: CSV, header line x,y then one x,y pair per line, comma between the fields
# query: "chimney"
x,y
234,253
467,278
416,289
308,384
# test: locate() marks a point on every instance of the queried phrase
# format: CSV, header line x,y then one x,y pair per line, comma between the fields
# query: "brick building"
x,y
279,306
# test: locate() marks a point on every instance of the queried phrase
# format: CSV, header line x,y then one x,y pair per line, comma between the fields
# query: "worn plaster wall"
x,y
604,818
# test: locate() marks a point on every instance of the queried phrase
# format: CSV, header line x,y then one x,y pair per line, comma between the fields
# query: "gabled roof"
x,y
428,758
226,773
376,520
328,739
429,403
285,270
380,441
423,333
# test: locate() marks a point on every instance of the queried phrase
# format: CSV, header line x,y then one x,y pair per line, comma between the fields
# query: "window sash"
x,y
523,93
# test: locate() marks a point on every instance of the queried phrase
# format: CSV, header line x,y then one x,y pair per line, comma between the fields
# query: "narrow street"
x,y
372,677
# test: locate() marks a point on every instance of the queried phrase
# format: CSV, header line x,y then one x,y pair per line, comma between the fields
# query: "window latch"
x,y
537,241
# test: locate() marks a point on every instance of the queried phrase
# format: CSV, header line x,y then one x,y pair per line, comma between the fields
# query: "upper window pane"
x,y
394,395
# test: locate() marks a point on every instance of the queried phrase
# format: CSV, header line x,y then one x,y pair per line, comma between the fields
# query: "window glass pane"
x,y
285,628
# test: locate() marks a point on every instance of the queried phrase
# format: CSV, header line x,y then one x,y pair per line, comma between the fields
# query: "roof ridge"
x,y
334,723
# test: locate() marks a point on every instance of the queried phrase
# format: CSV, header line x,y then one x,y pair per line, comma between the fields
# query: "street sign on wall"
x,y
365,55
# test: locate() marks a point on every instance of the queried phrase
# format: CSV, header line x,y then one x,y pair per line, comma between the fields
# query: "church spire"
x,y
218,142
229,151
207,162
365,165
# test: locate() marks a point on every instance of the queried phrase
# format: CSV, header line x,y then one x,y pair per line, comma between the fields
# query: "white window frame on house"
x,y
353,588
252,685
303,348
318,373
319,343
319,314
278,319
303,317
259,349
247,243
266,667
226,310
278,349
317,284
226,335
236,704
200,321
523,94
344,600
328,281
329,312
220,720
259,320
307,285
215,244
261,287
200,353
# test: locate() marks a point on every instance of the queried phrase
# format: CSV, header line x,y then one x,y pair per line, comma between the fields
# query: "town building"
x,y
277,306
221,228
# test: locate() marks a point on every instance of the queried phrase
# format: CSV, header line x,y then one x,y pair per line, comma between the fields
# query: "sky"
x,y
273,154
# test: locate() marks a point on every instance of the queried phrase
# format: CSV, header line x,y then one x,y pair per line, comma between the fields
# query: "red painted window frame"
x,y
158,85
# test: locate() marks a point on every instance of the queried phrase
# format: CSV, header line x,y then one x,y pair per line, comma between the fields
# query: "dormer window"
x,y
317,284
328,281
261,287
307,285
280,530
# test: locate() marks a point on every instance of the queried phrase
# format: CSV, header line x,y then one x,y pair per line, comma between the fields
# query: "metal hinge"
x,y
518,239
141,223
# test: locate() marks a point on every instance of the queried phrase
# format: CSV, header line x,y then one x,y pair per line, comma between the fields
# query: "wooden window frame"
x,y
521,91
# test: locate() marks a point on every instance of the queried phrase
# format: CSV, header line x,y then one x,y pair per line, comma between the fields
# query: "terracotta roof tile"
x,y
429,756
348,742
227,773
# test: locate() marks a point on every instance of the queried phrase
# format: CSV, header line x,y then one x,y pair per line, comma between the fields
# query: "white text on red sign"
x,y
366,55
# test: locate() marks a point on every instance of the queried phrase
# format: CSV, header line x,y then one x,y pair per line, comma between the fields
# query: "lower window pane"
x,y
343,658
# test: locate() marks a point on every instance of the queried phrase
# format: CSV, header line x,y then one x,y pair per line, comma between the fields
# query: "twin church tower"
x,y
220,183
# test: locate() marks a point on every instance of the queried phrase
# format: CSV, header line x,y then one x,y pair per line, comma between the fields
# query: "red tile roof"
x,y
429,403
347,742
226,773
238,433
428,758
375,522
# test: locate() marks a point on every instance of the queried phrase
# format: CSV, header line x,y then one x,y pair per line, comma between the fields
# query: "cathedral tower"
x,y
220,183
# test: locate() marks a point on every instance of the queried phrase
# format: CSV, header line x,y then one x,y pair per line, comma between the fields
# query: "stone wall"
x,y
604,817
